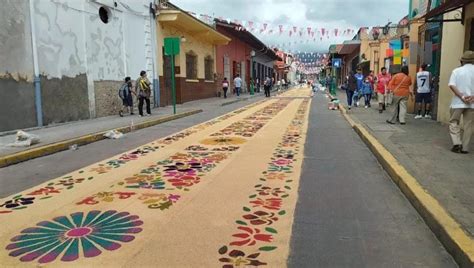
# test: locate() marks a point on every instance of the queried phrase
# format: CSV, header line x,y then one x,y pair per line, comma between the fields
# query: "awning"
x,y
187,23
348,48
447,6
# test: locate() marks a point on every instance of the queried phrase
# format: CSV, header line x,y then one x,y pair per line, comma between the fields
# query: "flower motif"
x,y
237,258
224,141
139,179
184,167
18,202
275,176
269,203
264,191
184,181
101,169
282,162
261,217
70,182
196,148
250,236
68,236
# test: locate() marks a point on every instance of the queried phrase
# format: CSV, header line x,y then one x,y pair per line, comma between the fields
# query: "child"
x,y
366,91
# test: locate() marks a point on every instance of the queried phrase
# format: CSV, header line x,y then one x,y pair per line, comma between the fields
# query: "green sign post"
x,y
172,48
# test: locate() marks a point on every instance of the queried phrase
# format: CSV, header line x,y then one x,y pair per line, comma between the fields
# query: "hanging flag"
x,y
291,33
336,31
323,31
309,30
265,25
295,28
281,28
250,24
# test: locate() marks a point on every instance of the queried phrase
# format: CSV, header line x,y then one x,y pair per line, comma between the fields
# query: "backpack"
x,y
123,91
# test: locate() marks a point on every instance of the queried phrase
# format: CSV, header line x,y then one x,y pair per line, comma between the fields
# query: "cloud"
x,y
328,14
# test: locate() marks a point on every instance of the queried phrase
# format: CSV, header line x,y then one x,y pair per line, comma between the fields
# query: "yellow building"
x,y
457,37
195,66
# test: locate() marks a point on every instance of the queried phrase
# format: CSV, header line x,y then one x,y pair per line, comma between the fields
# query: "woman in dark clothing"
x,y
351,88
125,93
225,87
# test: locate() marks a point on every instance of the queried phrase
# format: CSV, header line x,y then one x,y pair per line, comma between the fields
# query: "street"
x,y
279,182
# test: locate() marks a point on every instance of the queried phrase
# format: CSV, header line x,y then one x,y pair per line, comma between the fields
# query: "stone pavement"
x,y
61,132
423,148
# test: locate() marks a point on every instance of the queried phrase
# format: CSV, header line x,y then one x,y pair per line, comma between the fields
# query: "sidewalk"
x,y
423,148
55,134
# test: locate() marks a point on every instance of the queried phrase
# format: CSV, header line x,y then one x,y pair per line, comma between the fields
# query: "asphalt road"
x,y
349,212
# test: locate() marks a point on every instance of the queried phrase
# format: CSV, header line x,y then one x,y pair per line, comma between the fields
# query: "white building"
x,y
80,50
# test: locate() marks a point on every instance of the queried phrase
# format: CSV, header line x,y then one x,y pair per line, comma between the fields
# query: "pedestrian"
x,y
144,93
237,84
125,93
423,92
461,84
351,89
366,91
360,79
225,87
267,86
383,79
401,87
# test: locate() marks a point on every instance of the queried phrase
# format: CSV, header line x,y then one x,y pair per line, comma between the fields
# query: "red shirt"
x,y
382,82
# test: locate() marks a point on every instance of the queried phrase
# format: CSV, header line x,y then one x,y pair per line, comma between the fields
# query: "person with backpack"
x,y
144,93
225,87
125,93
366,91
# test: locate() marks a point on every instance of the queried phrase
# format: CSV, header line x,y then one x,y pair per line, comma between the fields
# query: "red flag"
x,y
309,30
323,31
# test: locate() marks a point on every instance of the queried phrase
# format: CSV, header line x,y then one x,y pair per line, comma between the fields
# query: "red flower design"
x,y
269,203
261,217
184,181
282,162
250,236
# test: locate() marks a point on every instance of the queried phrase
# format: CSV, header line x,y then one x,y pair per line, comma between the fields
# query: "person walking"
x,y
125,93
461,84
358,93
351,89
237,84
366,91
400,84
383,80
423,92
267,86
144,93
225,87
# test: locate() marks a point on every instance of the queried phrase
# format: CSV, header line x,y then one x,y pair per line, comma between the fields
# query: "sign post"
x,y
172,48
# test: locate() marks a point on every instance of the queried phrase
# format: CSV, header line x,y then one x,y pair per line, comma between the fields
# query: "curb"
x,y
83,140
448,231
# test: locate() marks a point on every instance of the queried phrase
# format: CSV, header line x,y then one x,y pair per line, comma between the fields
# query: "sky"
x,y
317,14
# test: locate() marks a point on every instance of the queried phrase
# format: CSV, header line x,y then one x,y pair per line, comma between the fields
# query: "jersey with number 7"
x,y
423,82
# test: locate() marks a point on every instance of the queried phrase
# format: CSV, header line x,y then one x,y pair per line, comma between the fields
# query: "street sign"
x,y
336,63
172,46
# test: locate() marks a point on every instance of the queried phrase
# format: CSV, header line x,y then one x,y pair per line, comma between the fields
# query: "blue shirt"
x,y
360,80
366,88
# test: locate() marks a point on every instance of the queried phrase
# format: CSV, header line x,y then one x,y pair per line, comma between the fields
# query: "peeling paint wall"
x,y
81,59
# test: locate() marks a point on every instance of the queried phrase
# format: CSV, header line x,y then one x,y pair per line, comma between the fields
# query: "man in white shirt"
x,y
238,84
462,85
423,92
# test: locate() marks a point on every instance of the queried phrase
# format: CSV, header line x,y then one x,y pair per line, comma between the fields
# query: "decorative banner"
x,y
281,28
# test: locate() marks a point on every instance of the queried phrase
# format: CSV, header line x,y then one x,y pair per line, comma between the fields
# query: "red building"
x,y
236,57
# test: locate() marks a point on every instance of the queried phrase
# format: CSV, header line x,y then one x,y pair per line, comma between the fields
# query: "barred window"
x,y
191,65
209,68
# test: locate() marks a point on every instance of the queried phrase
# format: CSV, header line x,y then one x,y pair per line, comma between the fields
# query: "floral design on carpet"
x,y
105,197
16,203
266,207
69,237
224,140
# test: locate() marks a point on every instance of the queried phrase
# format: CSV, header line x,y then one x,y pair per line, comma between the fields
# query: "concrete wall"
x,y
452,48
17,108
82,60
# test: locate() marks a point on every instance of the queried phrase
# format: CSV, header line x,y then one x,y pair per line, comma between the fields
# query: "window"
x,y
191,65
209,68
